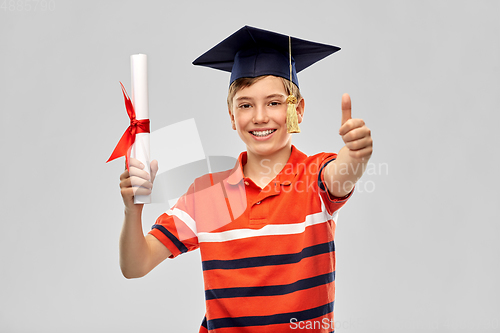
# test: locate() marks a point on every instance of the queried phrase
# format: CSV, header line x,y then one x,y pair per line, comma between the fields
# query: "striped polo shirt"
x,y
268,254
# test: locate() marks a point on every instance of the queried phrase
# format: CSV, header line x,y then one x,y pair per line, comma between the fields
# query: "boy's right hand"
x,y
137,181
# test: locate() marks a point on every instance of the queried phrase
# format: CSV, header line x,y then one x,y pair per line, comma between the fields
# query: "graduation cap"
x,y
252,52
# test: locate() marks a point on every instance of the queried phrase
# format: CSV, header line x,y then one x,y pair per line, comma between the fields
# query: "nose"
x,y
260,115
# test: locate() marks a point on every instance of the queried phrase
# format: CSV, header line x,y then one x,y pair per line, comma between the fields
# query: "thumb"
x,y
154,169
346,108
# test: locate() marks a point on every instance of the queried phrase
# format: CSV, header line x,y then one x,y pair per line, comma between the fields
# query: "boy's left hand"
x,y
356,136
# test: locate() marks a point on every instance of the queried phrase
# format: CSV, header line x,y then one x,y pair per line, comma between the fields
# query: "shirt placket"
x,y
258,200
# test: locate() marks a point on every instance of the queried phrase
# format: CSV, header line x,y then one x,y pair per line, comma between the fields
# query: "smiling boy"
x,y
266,228
258,114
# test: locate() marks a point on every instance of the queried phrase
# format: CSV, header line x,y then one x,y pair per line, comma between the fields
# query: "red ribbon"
x,y
128,138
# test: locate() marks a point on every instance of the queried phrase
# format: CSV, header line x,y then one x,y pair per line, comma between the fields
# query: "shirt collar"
x,y
236,175
286,175
289,171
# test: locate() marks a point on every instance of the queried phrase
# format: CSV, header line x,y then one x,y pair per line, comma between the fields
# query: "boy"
x,y
266,228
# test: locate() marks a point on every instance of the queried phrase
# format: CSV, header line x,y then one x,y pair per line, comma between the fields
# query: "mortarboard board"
x,y
252,52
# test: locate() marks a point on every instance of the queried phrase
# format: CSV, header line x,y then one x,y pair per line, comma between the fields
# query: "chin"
x,y
266,149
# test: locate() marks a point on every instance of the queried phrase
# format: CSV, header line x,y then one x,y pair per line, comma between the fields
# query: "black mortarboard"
x,y
252,52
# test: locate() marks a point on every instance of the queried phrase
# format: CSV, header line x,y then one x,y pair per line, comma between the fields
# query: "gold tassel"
x,y
292,122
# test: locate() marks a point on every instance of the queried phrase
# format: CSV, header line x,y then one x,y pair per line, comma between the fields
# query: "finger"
x,y
359,144
127,192
356,134
124,175
361,154
346,108
136,163
125,183
131,191
141,191
350,125
140,182
154,169
139,173
135,182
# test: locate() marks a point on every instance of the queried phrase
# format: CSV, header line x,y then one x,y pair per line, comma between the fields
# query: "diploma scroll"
x,y
140,148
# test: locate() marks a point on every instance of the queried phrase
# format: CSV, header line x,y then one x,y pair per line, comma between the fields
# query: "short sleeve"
x,y
331,202
176,228
203,209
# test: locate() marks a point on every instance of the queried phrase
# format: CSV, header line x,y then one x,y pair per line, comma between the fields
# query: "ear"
x,y
231,115
301,105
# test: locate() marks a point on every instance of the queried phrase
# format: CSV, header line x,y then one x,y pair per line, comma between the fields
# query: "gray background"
x,y
417,245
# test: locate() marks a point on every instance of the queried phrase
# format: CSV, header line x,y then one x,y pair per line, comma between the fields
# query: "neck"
x,y
261,169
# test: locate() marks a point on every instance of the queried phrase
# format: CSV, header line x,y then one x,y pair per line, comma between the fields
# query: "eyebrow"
x,y
276,96
242,98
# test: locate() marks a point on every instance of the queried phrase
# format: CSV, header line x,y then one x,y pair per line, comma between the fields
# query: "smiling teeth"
x,y
262,133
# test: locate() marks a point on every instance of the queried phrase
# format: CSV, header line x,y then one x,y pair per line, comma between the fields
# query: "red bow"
x,y
128,138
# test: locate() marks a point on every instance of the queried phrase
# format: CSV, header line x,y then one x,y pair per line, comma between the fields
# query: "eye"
x,y
274,103
244,106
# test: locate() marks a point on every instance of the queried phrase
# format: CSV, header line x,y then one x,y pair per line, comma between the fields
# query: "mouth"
x,y
261,134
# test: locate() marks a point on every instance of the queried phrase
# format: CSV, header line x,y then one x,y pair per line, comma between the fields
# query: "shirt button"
x,y
258,202
247,183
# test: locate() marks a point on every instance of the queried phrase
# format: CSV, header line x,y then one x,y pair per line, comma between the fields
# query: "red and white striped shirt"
x,y
268,254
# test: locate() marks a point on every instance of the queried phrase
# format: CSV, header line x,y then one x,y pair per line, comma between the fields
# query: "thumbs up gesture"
x,y
356,136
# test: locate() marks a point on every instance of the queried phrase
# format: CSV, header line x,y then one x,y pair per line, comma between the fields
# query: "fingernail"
x,y
142,166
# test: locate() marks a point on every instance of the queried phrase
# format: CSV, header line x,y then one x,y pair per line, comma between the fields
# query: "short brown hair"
x,y
244,82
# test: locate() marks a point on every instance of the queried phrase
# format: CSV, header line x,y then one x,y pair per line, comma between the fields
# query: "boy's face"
x,y
259,116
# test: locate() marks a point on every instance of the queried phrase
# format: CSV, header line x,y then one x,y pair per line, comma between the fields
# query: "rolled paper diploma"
x,y
140,148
